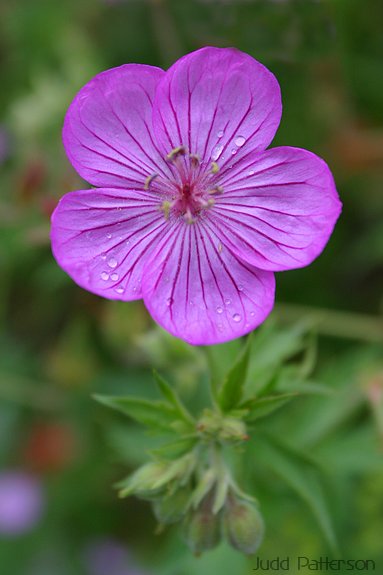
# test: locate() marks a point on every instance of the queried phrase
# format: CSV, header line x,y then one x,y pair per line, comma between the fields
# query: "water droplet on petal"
x,y
251,173
114,277
239,141
233,151
169,301
216,152
103,256
220,134
119,290
108,236
219,309
240,287
227,301
237,317
112,263
252,313
104,276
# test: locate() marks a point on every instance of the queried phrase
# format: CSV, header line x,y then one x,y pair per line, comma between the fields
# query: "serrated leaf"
x,y
172,397
304,479
154,414
231,391
264,406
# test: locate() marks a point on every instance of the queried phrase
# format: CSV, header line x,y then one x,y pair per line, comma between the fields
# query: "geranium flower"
x,y
190,211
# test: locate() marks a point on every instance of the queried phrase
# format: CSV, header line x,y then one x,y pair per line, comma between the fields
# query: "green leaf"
x,y
264,406
231,392
154,414
174,449
173,399
301,475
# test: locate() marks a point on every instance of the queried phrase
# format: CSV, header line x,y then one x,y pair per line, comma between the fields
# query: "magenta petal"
x,y
103,237
107,130
216,102
278,208
198,291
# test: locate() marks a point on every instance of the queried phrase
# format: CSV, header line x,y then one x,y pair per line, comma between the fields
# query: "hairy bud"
x,y
173,507
244,527
202,528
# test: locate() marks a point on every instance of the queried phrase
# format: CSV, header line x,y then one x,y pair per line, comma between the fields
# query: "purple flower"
x,y
190,211
109,556
21,502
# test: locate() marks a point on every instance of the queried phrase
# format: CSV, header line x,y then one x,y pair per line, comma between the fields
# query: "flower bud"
x,y
172,508
146,482
202,528
244,527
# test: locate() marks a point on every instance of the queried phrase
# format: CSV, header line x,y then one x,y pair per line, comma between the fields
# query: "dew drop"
x,y
108,236
240,287
119,290
169,301
237,317
252,313
233,151
114,277
251,173
104,276
219,309
220,134
112,263
239,141
103,256
227,301
216,152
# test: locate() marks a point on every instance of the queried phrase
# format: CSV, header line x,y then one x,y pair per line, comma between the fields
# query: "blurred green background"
x,y
60,344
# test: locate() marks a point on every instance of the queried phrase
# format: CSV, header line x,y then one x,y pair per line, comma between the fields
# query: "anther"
x,y
216,190
214,168
175,153
194,160
149,180
165,207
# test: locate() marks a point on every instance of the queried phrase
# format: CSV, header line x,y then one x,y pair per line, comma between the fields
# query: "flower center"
x,y
191,191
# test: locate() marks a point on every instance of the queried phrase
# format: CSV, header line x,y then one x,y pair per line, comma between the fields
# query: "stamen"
x,y
214,168
194,160
189,216
149,180
216,190
175,153
165,207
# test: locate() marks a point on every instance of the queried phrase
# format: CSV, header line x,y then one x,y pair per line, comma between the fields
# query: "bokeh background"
x,y
60,452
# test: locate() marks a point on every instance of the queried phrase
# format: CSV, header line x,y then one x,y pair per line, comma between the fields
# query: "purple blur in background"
x,y
21,502
109,556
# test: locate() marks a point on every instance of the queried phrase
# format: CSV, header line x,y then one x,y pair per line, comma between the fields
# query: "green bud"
x,y
202,528
172,508
244,527
233,430
146,482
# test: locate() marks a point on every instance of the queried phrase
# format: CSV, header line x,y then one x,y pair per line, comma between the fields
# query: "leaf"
x,y
300,474
174,449
231,391
264,406
172,397
152,413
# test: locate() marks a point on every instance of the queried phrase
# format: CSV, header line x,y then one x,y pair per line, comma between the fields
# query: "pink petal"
x,y
215,101
103,237
278,209
198,291
107,129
